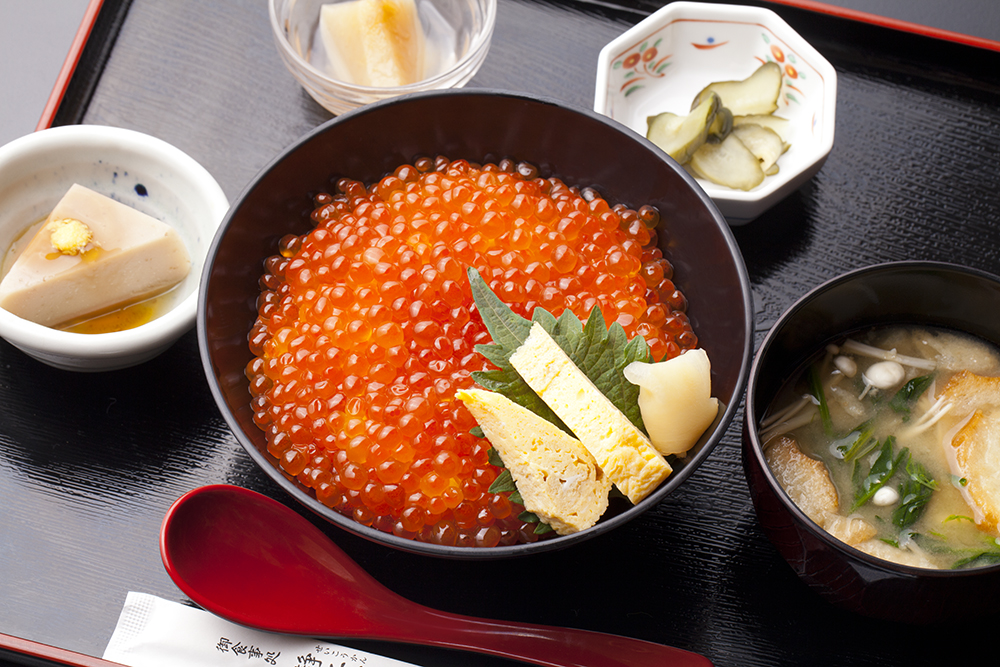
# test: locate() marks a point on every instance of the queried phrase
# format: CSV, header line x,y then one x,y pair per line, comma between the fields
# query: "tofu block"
x,y
374,42
621,450
556,476
92,255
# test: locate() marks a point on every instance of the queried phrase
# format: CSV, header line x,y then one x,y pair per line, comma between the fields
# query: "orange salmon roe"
x,y
367,327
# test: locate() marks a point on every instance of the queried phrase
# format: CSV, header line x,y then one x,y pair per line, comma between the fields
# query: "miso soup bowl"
x,y
919,293
480,126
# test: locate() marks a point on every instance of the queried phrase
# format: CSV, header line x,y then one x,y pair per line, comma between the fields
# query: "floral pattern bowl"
x,y
665,60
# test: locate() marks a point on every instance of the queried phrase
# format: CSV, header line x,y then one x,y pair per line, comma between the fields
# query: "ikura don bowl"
x,y
479,126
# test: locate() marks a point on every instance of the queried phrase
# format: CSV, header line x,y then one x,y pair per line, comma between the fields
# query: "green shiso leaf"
x,y
508,331
494,457
504,483
542,528
600,351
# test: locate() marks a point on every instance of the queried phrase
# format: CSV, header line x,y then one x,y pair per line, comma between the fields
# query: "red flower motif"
x,y
778,54
791,72
632,60
649,54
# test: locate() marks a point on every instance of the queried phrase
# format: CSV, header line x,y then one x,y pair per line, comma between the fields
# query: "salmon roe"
x,y
366,328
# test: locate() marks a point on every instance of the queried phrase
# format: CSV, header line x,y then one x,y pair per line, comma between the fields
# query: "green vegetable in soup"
x,y
903,400
915,492
861,445
816,389
868,483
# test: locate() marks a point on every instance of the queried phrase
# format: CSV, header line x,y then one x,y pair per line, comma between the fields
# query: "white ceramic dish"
x,y
665,60
141,171
458,34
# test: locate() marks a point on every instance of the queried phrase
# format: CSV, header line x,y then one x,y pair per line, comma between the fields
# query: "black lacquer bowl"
x,y
579,146
922,293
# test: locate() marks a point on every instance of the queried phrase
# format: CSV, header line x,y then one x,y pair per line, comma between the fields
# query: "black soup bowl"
x,y
918,293
578,146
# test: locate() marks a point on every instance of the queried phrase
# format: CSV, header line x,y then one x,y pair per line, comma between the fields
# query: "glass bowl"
x,y
458,34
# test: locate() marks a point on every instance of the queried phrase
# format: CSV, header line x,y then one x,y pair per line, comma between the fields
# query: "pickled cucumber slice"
x,y
729,163
680,136
782,126
757,94
763,142
721,126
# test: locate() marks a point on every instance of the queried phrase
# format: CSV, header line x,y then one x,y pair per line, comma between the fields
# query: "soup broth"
x,y
889,440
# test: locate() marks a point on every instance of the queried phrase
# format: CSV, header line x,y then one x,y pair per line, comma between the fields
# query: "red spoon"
x,y
253,561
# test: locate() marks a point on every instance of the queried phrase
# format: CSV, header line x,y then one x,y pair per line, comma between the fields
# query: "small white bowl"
x,y
458,33
665,60
141,171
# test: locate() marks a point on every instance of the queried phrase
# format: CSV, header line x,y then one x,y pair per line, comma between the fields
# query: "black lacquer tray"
x,y
90,463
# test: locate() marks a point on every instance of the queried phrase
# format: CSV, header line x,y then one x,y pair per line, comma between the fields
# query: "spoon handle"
x,y
217,538
538,644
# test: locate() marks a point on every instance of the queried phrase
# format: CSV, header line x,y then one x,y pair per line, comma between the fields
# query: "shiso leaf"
x,y
600,351
504,483
508,331
494,457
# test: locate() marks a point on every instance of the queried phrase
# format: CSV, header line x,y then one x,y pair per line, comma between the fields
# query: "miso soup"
x,y
890,441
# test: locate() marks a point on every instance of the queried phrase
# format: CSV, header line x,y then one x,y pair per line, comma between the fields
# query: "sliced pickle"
x,y
782,126
757,94
730,137
680,136
721,126
763,142
728,163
